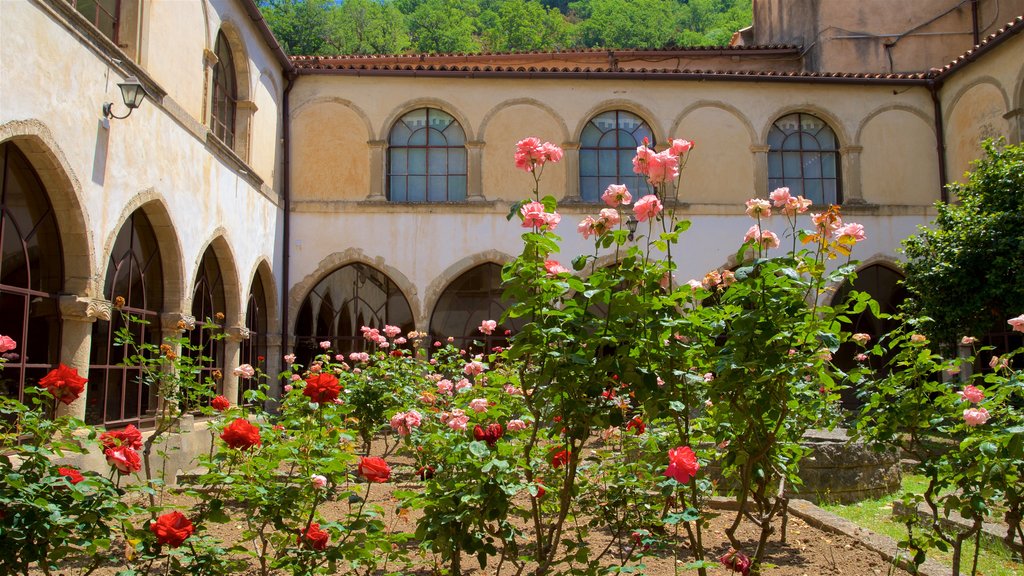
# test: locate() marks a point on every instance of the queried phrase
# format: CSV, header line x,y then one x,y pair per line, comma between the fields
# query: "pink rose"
x,y
972,394
758,208
516,425
488,326
244,371
553,268
7,343
1017,323
463,384
318,481
616,194
325,344
861,357
678,146
647,207
641,162
478,404
780,197
457,420
694,284
445,387
968,341
918,338
288,387
851,233
861,338
392,331
586,227
610,216
534,216
796,205
662,167
827,222
473,368
975,416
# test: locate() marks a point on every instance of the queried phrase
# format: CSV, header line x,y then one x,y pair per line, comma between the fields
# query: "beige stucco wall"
x,y
723,155
176,60
899,161
502,179
330,156
983,100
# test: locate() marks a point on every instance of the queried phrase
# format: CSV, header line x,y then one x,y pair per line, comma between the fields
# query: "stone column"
x,y
474,171
377,166
77,316
210,60
172,326
232,351
760,152
1015,119
275,365
850,156
571,159
245,111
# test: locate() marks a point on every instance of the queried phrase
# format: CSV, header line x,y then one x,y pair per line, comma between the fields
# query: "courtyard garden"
x,y
617,420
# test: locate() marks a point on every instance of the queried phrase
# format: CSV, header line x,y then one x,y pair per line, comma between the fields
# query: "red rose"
x,y
322,387
241,435
63,383
736,561
128,436
314,537
220,403
682,464
425,472
73,476
493,433
124,458
374,469
637,425
540,490
560,459
172,529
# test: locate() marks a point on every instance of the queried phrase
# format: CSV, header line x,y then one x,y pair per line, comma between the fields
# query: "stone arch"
x,y
153,205
298,292
620,104
437,286
297,110
563,129
729,108
834,122
36,141
927,119
265,272
950,105
217,240
426,102
878,259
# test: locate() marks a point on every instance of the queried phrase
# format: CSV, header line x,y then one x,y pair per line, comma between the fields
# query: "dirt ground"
x,y
808,551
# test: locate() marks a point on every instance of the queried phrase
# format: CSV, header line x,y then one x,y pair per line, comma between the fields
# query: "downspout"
x,y
940,137
974,22
287,202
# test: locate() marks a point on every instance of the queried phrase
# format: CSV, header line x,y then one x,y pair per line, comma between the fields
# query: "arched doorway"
x,y
473,297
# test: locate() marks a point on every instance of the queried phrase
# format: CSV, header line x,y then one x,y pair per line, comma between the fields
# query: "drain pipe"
x,y
286,200
974,22
940,137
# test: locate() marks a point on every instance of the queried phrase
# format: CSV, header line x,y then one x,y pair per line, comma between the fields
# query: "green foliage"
x,y
964,270
394,26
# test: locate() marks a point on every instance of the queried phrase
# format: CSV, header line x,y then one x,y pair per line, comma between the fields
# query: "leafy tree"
x,y
513,25
627,23
965,271
301,26
444,26
369,27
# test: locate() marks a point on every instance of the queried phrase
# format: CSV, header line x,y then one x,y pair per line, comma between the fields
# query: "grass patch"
x,y
995,558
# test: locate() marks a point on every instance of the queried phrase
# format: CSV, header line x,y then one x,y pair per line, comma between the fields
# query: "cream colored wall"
x,y
723,156
983,100
175,59
502,180
890,140
330,156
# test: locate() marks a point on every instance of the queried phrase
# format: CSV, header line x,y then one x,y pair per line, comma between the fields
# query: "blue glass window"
x,y
607,147
427,158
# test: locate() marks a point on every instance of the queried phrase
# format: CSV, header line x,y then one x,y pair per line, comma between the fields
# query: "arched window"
x,y
803,155
470,299
118,395
208,307
224,111
31,274
118,20
427,158
254,349
351,297
607,147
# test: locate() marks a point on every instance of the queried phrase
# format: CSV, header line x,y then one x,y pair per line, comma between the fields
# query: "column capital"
x,y
851,149
237,333
177,321
570,145
210,58
379,144
475,144
762,148
84,309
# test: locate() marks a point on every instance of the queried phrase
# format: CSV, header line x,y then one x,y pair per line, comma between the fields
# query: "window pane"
x,y
589,189
775,138
791,164
828,165
812,191
400,134
418,138
437,161
417,189
399,160
830,188
626,140
437,189
456,188
435,138
454,135
397,189
588,162
775,165
417,161
416,119
591,136
808,142
456,160
607,162
625,163
812,165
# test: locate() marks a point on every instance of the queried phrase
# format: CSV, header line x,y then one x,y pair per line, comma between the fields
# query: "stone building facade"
x,y
303,197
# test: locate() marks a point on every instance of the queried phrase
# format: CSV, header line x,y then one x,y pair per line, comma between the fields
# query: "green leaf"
x,y
479,449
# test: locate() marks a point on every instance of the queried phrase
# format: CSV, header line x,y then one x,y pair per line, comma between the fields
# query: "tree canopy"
x,y
964,271
314,27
